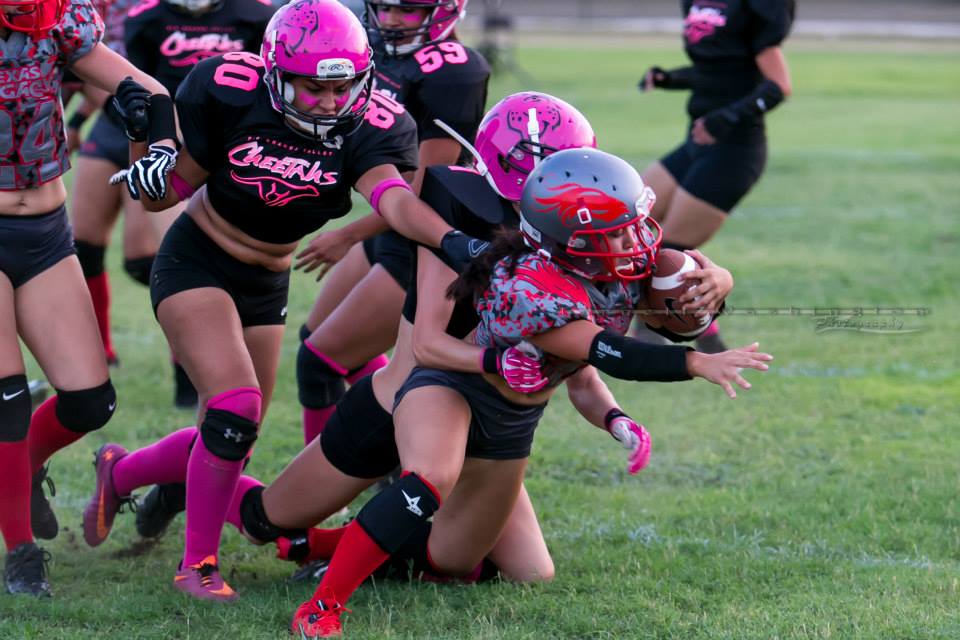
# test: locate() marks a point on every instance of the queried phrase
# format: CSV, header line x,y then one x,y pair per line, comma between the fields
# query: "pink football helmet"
x,y
442,17
521,130
321,40
35,17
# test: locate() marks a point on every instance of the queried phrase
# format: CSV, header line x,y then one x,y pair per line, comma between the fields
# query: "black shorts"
x,y
720,174
394,253
499,429
189,259
107,141
29,245
359,440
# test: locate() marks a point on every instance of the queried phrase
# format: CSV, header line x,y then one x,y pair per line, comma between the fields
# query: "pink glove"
x,y
632,436
519,366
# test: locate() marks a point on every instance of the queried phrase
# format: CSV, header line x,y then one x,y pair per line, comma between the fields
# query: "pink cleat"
x,y
203,581
105,504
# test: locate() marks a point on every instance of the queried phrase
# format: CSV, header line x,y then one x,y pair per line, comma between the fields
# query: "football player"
x,y
273,145
164,38
566,284
42,295
739,73
421,64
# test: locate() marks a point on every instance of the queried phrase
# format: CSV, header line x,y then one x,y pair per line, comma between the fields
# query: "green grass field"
x,y
821,504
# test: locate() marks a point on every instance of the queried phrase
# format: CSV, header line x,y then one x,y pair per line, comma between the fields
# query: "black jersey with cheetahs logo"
x,y
445,80
166,42
270,182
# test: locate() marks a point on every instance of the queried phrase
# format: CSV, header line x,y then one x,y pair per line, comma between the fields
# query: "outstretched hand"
x,y
323,251
724,368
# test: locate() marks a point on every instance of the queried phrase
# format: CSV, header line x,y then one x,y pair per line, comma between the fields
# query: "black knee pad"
x,y
318,385
139,269
396,513
304,332
90,257
257,524
14,408
88,409
227,435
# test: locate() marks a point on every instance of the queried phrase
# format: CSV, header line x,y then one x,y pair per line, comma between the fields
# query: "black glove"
x,y
460,249
150,172
128,106
681,78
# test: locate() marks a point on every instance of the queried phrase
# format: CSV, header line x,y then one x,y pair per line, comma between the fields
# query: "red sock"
x,y
47,435
15,493
99,286
355,558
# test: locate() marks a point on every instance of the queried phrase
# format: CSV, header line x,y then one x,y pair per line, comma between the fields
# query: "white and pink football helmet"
x,y
521,130
321,40
442,18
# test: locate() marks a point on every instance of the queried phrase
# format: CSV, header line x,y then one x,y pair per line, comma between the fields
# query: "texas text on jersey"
x,y
31,121
269,181
166,42
425,81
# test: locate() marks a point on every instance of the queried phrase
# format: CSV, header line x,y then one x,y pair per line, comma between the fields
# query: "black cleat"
x,y
159,507
184,393
39,389
26,571
43,520
310,572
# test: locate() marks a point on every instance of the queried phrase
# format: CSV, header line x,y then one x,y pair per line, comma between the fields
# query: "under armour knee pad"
x,y
90,257
229,427
139,268
88,409
394,514
320,381
14,408
255,522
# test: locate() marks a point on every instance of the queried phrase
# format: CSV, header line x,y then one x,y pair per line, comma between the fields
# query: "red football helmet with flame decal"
x,y
34,17
589,211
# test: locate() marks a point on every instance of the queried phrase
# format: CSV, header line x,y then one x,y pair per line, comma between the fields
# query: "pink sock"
x,y
211,483
712,330
314,422
160,463
243,485
377,363
212,480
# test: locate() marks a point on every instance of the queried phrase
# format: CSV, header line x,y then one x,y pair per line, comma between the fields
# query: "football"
x,y
664,289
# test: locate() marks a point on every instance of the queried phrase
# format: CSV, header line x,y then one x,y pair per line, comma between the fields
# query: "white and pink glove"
x,y
520,366
632,436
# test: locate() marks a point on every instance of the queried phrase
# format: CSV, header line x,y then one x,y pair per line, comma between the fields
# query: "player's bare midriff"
x,y
275,257
32,202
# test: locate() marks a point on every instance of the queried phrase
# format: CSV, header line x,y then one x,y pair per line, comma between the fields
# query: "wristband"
x,y
382,188
490,360
612,415
76,120
162,120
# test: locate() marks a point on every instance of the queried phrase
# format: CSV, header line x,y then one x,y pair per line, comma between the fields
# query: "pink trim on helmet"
x,y
511,148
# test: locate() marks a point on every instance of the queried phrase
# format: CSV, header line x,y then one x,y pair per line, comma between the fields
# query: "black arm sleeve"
x,y
629,359
765,97
679,78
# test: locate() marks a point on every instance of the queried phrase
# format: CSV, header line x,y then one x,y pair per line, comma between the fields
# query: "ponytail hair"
x,y
475,279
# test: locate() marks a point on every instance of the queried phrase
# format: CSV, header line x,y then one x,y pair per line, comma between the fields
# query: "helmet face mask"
x,y
34,17
589,212
323,41
441,18
195,7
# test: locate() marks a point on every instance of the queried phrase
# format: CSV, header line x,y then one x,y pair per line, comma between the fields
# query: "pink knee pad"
x,y
246,402
372,366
